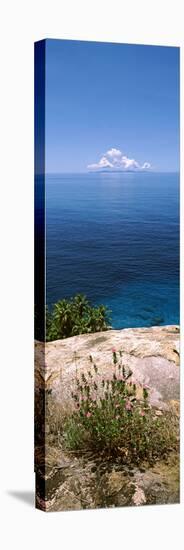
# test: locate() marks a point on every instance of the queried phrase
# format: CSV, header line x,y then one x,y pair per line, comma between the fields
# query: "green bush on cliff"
x,y
75,316
113,416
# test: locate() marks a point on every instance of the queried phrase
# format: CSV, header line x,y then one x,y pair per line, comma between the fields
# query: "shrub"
x,y
75,316
109,417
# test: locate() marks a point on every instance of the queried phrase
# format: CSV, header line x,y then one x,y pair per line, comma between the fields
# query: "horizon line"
x,y
176,171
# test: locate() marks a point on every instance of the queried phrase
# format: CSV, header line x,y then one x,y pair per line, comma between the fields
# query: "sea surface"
x,y
115,238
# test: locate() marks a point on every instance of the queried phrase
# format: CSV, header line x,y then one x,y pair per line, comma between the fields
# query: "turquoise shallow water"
x,y
115,238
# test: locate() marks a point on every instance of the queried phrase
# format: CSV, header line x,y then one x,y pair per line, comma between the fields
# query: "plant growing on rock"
x,y
113,416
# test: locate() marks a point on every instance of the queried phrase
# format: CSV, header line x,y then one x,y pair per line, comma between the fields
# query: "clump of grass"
x,y
114,417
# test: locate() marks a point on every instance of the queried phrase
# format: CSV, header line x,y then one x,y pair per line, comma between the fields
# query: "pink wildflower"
x,y
142,413
128,406
88,414
113,350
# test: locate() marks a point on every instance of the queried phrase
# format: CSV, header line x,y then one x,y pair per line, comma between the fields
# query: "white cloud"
x,y
103,163
114,153
115,159
146,166
129,163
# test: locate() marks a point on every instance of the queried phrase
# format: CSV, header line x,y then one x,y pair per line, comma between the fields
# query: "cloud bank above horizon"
x,y
114,159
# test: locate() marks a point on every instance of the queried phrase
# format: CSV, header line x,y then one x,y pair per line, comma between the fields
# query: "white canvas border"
x,y
157,22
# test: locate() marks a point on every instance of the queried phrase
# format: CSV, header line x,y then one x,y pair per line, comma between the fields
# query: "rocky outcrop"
x,y
77,482
151,353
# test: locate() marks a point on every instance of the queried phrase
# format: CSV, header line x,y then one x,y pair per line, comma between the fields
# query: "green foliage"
x,y
75,316
114,416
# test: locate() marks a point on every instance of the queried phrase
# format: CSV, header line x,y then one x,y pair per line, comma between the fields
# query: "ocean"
x,y
115,238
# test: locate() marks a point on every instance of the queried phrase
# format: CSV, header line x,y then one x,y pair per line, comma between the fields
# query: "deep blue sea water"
x,y
115,238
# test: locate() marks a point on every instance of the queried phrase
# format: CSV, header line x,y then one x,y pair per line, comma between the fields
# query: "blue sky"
x,y
109,102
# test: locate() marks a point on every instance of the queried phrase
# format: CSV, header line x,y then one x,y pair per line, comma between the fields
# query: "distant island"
x,y
109,170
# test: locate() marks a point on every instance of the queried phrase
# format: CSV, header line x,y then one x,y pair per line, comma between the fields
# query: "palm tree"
x,y
75,316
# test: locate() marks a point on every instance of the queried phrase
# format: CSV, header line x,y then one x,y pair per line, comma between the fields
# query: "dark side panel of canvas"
x,y
39,255
39,156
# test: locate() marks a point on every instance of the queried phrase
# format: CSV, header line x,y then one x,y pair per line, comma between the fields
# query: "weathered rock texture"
x,y
151,353
77,483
